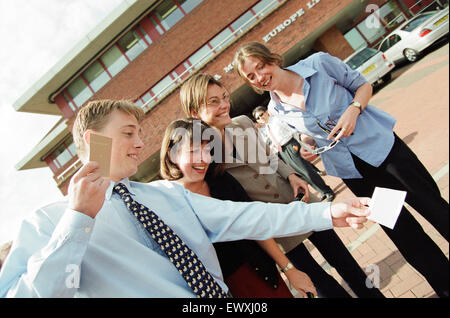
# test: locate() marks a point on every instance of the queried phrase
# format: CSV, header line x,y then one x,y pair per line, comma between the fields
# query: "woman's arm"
x,y
298,279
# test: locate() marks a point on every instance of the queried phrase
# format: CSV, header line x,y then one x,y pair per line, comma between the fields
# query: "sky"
x,y
35,35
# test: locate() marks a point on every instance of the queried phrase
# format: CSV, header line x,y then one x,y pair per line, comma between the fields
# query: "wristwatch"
x,y
288,267
357,105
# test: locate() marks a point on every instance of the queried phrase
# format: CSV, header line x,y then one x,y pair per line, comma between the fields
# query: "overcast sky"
x,y
35,35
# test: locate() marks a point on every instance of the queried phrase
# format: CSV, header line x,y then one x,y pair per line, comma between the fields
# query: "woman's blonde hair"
x,y
95,114
177,133
193,92
258,50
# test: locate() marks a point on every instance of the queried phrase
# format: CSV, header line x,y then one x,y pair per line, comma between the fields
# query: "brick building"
x,y
145,49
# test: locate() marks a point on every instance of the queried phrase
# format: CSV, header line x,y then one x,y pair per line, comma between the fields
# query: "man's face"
x,y
124,130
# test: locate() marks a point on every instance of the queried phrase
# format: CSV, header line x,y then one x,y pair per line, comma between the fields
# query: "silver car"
x,y
371,63
415,35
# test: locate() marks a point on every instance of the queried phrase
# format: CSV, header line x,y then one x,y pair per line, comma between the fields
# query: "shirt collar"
x,y
125,181
302,70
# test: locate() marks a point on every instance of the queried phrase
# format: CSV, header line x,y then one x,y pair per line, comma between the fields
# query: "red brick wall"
x,y
170,109
187,36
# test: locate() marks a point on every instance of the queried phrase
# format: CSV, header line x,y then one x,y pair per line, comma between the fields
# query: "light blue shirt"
x,y
329,87
63,253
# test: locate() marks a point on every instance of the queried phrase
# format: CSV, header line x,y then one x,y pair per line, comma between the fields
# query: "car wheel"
x,y
411,55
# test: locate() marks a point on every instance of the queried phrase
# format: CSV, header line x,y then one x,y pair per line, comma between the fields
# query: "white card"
x,y
385,206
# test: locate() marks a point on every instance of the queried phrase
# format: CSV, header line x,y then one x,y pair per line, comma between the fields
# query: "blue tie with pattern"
x,y
184,259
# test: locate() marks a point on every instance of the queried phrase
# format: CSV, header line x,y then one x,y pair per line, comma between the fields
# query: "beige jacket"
x,y
253,170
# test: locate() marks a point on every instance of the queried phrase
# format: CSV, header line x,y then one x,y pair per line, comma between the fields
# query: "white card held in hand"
x,y
385,206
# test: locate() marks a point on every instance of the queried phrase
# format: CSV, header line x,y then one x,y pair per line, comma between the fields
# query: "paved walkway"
x,y
418,97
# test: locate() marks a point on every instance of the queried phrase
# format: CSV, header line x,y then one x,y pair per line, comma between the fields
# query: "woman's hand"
x,y
346,123
301,282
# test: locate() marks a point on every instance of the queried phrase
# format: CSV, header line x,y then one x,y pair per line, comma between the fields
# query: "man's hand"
x,y
87,190
305,154
296,184
350,212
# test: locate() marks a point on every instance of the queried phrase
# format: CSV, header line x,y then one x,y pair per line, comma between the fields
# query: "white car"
x,y
415,35
372,64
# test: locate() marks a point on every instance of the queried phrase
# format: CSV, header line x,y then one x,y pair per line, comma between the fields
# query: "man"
x,y
92,246
282,139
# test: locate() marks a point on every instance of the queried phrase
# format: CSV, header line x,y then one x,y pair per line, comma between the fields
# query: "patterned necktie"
x,y
184,259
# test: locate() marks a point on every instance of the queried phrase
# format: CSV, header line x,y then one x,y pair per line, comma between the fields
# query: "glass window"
x,y
79,92
163,87
200,57
96,76
241,21
188,5
69,102
168,14
355,39
363,56
146,36
371,31
132,44
391,15
114,60
62,154
221,39
264,6
389,42
414,23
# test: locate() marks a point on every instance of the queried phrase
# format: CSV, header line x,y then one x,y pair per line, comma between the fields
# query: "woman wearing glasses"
x,y
323,98
246,157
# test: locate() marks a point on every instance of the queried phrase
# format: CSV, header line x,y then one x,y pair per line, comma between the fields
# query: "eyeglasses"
x,y
320,150
217,101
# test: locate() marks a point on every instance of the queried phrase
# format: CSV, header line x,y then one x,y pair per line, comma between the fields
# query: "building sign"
x,y
286,23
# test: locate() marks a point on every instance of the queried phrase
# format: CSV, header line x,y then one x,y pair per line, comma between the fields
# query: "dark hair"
x,y
177,132
258,109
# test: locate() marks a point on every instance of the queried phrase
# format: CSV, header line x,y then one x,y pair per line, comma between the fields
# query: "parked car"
x,y
415,35
372,64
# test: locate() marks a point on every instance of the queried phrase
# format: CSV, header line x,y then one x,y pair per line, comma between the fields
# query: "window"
x,y
63,154
360,58
188,5
168,14
264,6
389,42
69,101
200,57
114,60
391,15
79,91
414,23
96,76
355,39
241,21
225,35
163,86
371,31
132,44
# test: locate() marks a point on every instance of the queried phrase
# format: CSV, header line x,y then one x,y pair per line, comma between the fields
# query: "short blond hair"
x,y
194,91
95,114
258,50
